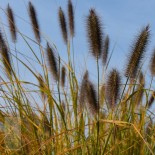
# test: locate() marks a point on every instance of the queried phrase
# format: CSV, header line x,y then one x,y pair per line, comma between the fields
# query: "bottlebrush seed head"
x,y
34,22
137,53
12,24
94,30
113,88
63,25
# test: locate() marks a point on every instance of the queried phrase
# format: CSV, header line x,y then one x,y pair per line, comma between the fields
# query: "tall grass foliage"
x,y
111,115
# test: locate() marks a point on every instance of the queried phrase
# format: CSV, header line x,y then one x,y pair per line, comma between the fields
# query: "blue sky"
x,y
122,20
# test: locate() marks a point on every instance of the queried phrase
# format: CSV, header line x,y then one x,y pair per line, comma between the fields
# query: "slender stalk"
x,y
73,55
149,90
98,100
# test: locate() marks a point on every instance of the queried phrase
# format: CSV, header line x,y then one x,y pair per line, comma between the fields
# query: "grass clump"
x,y
57,113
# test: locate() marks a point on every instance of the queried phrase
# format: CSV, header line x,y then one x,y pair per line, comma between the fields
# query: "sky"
x,y
122,20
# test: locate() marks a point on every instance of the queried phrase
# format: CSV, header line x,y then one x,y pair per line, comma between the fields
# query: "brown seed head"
x,y
113,88
34,22
71,17
151,100
5,56
152,64
140,89
88,95
94,30
82,96
137,53
91,98
105,50
63,25
12,24
52,62
63,76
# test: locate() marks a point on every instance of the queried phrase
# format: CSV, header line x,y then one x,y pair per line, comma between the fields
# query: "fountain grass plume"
x,y
12,24
151,100
82,91
113,88
34,22
5,56
140,89
71,18
91,98
152,64
63,25
63,76
88,95
95,34
52,62
105,50
137,53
